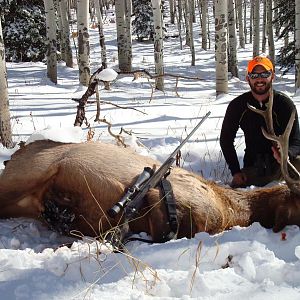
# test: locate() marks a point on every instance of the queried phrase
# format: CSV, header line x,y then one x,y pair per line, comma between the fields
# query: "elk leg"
x,y
281,218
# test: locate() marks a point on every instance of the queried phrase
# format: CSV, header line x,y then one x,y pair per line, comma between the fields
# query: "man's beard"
x,y
260,90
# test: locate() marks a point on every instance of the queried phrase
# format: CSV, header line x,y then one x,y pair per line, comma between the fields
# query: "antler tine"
x,y
283,141
266,114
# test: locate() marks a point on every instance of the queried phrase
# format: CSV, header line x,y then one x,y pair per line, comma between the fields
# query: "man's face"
x,y
260,86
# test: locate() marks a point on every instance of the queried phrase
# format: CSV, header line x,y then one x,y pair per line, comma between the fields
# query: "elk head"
x,y
288,212
281,142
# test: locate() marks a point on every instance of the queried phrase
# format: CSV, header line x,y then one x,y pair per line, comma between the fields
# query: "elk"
x,y
72,186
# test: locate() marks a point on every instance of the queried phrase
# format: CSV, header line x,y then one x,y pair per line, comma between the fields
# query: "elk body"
x,y
87,179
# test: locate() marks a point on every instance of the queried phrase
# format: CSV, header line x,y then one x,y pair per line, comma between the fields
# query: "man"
x,y
261,159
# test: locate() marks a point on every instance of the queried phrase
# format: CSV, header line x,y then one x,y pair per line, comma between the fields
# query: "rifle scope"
x,y
144,176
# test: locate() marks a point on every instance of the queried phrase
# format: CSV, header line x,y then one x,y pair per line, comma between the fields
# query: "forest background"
x,y
163,86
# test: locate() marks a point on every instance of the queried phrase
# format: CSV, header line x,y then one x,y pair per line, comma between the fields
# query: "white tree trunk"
x,y
65,38
61,55
51,40
204,23
270,30
5,127
192,20
128,13
240,22
124,44
101,34
179,20
264,31
251,24
189,18
256,30
232,57
187,22
158,43
245,20
208,25
221,46
83,41
297,43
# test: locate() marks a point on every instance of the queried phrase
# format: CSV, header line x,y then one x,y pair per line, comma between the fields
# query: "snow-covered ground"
x,y
243,263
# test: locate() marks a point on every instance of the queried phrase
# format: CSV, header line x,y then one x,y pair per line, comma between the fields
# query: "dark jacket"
x,y
239,115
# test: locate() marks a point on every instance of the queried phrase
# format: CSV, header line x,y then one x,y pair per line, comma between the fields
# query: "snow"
x,y
242,263
107,75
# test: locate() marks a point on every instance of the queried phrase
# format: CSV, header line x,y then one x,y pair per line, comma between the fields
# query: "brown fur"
x,y
89,178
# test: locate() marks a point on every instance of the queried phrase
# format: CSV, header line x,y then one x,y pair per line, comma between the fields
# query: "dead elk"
x,y
72,186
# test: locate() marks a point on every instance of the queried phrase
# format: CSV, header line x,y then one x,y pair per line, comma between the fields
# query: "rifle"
x,y
131,202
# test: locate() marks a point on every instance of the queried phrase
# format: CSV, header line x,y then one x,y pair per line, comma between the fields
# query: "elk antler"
x,y
282,141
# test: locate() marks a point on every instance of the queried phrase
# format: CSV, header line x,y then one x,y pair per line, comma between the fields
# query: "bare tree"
x,y
251,24
245,20
240,22
123,21
83,41
189,24
5,127
221,46
264,31
51,40
172,11
276,15
271,45
256,30
204,23
232,55
297,42
65,35
179,20
158,43
101,34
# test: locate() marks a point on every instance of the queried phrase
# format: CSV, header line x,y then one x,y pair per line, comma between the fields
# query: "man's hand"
x,y
276,154
239,180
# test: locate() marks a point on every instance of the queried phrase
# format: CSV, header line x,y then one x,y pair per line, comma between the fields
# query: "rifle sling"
x,y
170,203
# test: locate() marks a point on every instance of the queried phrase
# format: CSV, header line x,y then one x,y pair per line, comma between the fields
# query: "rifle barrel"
x,y
190,134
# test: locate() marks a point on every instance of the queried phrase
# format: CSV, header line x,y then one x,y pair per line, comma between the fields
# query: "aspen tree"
x,y
256,30
297,43
51,40
158,43
65,38
232,55
5,127
83,41
221,46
